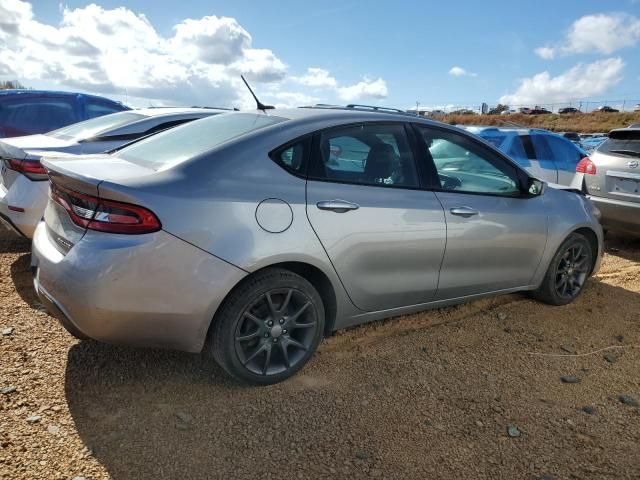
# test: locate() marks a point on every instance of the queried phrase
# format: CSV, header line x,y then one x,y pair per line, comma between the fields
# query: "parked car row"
x,y
26,112
250,235
544,154
24,186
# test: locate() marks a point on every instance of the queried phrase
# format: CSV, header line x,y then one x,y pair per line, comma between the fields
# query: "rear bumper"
x,y
618,215
142,290
27,195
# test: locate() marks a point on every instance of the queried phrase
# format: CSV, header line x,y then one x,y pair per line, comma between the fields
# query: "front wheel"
x,y
268,327
567,273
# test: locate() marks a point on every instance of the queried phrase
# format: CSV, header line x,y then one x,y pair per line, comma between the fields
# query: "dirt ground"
x,y
432,395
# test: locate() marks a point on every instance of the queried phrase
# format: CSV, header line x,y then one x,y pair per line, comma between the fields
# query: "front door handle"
x,y
465,212
338,206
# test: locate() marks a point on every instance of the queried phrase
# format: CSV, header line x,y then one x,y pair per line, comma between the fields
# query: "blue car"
x,y
28,112
544,154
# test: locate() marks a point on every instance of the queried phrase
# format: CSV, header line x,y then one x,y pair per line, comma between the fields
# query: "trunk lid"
x,y
617,163
9,151
82,174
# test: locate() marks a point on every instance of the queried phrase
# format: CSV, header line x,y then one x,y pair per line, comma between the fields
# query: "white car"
x,y
23,179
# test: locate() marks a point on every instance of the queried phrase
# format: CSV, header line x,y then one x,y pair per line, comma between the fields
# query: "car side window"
x,y
97,109
292,157
565,154
541,147
370,154
37,115
463,165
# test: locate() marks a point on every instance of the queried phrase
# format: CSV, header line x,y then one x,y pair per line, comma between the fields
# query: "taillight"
x,y
31,168
105,215
586,166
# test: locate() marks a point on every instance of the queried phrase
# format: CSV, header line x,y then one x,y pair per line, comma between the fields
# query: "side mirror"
x,y
535,187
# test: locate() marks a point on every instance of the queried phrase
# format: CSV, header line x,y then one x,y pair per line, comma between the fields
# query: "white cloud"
x,y
461,72
545,52
582,80
113,51
601,33
294,99
316,77
117,50
364,89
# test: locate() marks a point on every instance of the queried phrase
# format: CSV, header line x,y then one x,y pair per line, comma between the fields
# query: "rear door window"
x,y
369,154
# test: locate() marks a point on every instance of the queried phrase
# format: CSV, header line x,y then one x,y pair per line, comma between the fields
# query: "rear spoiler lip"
x,y
8,151
70,179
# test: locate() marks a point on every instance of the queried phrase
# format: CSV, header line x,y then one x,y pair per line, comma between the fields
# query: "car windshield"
x,y
91,128
187,141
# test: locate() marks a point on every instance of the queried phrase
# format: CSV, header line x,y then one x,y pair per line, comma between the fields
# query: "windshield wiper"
x,y
631,153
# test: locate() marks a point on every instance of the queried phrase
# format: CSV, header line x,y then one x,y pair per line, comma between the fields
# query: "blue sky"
x,y
409,46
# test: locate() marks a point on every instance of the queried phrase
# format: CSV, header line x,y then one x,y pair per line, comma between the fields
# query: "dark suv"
x,y
27,112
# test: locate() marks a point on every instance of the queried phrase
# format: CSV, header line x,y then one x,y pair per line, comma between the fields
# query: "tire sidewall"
x,y
550,278
226,321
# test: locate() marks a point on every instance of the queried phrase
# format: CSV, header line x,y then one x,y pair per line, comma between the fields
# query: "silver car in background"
x,y
611,179
250,235
23,179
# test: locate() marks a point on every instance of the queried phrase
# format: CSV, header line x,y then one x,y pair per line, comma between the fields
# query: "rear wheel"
x,y
567,273
268,327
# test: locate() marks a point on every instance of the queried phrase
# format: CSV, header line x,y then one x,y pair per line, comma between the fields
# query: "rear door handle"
x,y
465,212
338,206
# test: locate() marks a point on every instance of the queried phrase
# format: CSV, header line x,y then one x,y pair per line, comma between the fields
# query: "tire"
x,y
267,328
567,272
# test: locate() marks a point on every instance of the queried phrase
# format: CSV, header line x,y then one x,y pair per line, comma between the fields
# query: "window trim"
x,y
522,177
316,155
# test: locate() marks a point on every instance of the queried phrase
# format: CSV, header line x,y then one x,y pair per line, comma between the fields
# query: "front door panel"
x,y
498,247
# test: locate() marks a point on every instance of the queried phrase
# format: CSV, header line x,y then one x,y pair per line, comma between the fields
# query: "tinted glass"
x,y
541,147
36,115
187,141
367,154
97,109
565,153
291,157
463,166
508,142
622,143
95,126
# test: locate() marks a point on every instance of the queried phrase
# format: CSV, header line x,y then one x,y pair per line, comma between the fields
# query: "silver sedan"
x,y
250,235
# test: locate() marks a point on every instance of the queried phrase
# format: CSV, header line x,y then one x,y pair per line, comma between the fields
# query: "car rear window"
x,y
95,126
35,114
187,141
622,143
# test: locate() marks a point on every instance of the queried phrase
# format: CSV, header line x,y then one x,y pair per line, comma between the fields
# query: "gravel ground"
x,y
474,391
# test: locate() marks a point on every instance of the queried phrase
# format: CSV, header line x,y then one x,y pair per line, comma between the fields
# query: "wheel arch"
x,y
312,274
592,238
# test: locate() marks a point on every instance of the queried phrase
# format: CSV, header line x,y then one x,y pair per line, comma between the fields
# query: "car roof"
x,y
344,114
159,111
57,93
